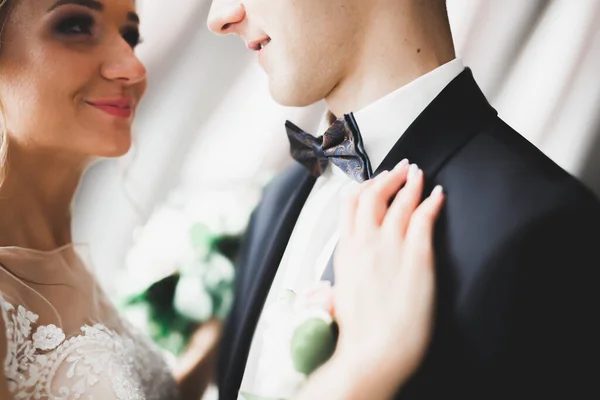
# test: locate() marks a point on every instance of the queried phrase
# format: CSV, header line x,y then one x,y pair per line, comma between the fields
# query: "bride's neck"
x,y
35,198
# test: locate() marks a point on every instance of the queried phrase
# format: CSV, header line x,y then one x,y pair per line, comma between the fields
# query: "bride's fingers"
x,y
406,202
417,277
419,236
351,198
374,200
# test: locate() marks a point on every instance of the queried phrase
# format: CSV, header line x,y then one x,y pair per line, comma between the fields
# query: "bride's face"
x,y
69,79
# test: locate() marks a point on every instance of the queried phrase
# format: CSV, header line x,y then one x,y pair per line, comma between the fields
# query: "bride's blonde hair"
x,y
3,133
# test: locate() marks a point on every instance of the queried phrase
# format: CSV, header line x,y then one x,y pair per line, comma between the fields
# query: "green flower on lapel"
x,y
313,343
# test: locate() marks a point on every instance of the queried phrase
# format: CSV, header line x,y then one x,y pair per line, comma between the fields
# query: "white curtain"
x,y
208,121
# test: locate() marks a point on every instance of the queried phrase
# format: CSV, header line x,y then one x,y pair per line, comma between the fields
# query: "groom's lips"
x,y
259,44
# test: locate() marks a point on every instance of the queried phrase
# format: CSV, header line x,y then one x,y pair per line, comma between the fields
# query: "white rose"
x,y
276,376
192,300
218,270
162,246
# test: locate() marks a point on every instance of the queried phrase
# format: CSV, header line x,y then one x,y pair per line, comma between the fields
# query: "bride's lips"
x,y
118,107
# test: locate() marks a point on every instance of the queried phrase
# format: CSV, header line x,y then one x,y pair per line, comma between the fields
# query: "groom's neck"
x,y
399,44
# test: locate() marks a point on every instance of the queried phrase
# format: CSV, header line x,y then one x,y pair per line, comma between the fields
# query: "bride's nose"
x,y
226,16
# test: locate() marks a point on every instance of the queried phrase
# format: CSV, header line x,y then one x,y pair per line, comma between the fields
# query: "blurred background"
x,y
208,135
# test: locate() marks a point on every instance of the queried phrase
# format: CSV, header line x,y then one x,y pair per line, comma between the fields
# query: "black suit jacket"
x,y
517,260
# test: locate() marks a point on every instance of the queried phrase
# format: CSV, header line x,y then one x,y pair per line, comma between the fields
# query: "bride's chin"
x,y
117,152
117,147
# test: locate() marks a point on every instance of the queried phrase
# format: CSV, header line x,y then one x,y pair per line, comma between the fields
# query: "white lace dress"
x,y
64,339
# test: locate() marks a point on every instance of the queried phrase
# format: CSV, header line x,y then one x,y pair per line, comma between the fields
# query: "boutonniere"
x,y
300,335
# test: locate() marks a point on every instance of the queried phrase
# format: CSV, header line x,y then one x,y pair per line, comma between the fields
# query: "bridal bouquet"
x,y
180,273
300,335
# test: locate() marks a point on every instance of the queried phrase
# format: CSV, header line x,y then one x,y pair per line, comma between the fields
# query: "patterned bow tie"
x,y
341,145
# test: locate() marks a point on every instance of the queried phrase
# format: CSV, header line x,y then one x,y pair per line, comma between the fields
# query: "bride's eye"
x,y
76,25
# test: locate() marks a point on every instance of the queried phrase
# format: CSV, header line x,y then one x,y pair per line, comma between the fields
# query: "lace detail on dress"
x,y
98,363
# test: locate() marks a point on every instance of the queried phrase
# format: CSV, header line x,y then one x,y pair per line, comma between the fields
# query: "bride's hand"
x,y
384,268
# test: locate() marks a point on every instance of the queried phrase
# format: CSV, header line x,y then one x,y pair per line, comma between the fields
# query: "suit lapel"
x,y
442,129
266,260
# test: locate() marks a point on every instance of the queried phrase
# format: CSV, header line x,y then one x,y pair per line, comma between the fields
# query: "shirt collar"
x,y
383,122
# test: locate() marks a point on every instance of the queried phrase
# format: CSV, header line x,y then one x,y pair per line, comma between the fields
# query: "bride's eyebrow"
x,y
93,4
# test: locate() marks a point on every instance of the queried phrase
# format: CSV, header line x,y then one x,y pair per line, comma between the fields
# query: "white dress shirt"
x,y
315,235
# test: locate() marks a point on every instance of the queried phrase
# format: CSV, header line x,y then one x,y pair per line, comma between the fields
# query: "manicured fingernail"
x,y
383,173
438,190
413,171
401,164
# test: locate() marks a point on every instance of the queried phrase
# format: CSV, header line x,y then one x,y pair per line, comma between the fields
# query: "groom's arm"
x,y
552,343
